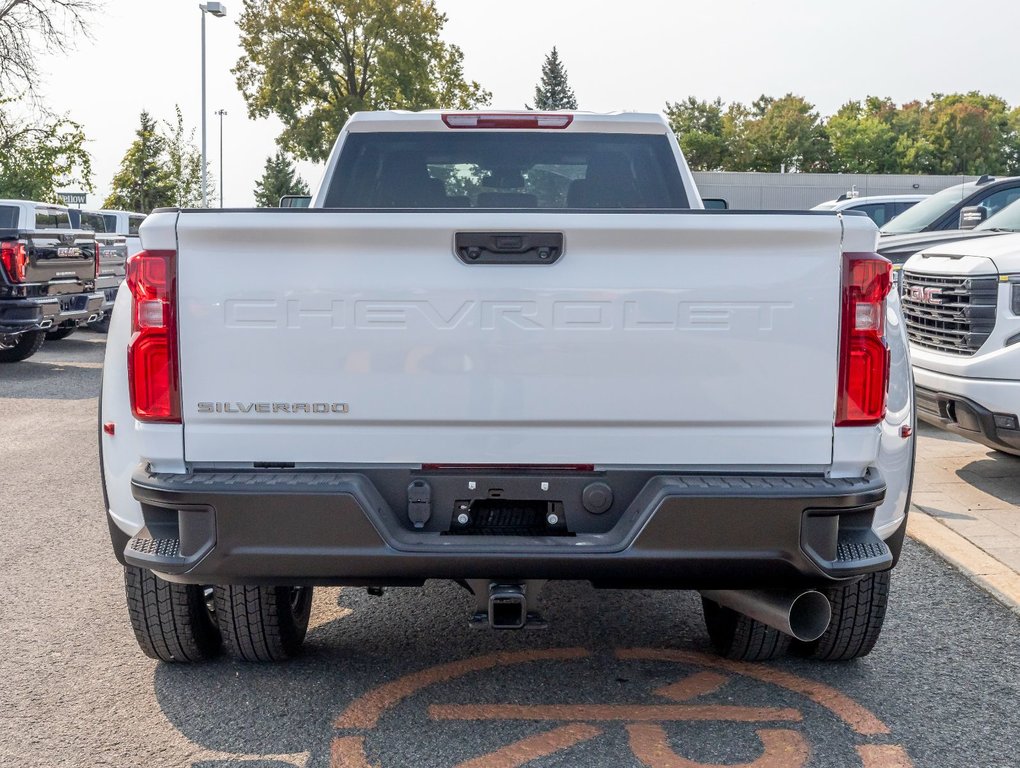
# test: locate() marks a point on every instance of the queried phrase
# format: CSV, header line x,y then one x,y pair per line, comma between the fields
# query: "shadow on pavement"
x,y
36,379
251,710
998,476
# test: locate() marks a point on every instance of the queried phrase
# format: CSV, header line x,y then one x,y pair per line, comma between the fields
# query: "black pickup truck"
x,y
47,276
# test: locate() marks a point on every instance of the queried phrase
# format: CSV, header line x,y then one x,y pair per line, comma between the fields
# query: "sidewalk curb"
x,y
1001,581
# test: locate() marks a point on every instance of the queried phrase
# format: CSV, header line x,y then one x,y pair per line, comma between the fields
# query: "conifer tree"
x,y
278,179
554,92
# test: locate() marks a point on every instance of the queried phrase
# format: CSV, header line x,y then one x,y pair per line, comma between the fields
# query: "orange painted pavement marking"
x,y
698,684
348,752
841,705
884,756
613,712
782,749
366,711
532,748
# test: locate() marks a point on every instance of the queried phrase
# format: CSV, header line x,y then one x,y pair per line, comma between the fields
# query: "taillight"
x,y
509,120
14,257
152,352
863,352
97,259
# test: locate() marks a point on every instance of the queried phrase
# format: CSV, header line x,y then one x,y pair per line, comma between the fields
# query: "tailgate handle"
x,y
508,247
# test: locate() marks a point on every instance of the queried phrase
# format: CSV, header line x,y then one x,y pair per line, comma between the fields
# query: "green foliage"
x,y
314,62
278,179
863,138
700,129
161,168
39,156
554,92
184,164
959,133
779,134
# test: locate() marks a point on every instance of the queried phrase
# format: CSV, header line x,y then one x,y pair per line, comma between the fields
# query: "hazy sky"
x,y
631,55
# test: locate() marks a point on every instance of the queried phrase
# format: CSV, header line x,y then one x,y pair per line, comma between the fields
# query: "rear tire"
x,y
858,612
263,623
740,637
60,333
22,347
172,622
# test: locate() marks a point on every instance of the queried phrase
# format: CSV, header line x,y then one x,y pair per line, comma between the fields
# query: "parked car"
x,y
881,209
961,304
899,248
510,348
962,206
112,262
125,223
47,276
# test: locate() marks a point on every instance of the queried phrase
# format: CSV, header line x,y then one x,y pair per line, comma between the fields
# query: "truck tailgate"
x,y
657,339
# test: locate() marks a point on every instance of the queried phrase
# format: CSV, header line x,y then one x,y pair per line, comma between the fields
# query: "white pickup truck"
x,y
503,349
961,303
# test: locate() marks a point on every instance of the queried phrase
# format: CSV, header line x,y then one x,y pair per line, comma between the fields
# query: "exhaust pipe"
x,y
803,615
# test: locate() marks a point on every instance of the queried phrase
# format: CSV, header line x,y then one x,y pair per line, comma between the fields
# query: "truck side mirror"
x,y
295,201
715,204
972,215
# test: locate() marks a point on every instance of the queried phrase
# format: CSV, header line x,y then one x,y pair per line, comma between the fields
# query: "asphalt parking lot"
x,y
619,678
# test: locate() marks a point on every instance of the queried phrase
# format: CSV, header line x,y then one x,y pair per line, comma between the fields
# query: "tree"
x,y
162,168
31,27
143,183
278,179
782,134
184,164
314,62
699,129
863,137
38,156
554,92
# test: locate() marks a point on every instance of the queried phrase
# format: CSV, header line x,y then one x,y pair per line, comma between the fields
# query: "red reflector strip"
x,y
863,352
510,120
509,467
152,352
110,428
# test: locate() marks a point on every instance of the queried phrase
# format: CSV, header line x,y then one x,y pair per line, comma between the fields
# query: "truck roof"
x,y
432,120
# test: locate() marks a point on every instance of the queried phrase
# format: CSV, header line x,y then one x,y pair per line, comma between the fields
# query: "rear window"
x,y
8,217
111,222
52,218
134,222
93,222
501,170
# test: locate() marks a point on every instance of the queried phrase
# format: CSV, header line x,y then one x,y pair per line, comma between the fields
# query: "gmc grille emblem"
x,y
924,295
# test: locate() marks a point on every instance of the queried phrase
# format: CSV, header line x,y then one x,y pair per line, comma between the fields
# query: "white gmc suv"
x,y
503,349
961,303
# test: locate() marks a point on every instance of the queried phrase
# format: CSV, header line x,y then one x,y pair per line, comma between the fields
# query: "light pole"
x,y
221,113
219,10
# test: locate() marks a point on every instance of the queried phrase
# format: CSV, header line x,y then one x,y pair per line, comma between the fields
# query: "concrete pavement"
x,y
967,508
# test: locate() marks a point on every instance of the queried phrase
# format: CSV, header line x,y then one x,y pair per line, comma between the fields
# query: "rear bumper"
x,y
21,315
676,531
108,287
968,407
44,312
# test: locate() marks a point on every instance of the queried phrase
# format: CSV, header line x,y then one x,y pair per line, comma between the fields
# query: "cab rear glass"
x,y
479,170
8,217
52,218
